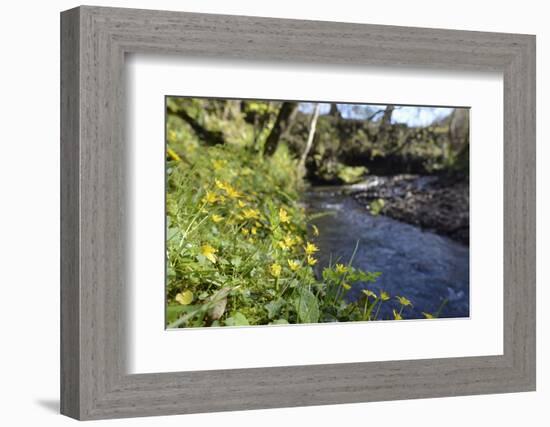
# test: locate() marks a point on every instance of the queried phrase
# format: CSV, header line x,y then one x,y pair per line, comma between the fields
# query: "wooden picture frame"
x,y
94,382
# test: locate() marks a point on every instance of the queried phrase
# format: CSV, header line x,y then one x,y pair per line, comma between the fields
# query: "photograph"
x,y
293,212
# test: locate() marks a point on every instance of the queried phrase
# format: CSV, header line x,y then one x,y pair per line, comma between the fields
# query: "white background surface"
x,y
152,348
29,225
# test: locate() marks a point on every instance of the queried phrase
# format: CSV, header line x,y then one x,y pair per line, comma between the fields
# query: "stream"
x,y
425,267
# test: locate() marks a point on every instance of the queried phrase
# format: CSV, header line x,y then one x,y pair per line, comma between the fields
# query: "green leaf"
x,y
174,311
307,307
274,307
351,174
171,233
237,319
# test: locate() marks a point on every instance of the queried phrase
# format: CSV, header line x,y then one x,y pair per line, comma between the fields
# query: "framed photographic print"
x,y
303,212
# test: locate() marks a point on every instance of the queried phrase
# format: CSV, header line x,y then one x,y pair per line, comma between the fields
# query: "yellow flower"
x,y
283,215
241,204
346,286
185,298
220,184
310,248
315,230
245,231
403,301
294,265
311,260
219,164
210,197
428,315
396,315
217,218
341,268
289,241
251,213
384,296
275,270
283,245
258,224
231,192
253,230
209,252
369,293
172,154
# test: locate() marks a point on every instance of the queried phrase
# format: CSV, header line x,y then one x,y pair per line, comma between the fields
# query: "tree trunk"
x,y
334,111
386,118
284,118
309,144
385,123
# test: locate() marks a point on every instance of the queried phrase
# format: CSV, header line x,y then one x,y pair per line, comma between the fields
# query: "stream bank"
x,y
434,203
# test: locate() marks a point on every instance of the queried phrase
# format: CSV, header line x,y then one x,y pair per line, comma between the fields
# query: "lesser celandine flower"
x,y
185,298
231,192
369,293
289,241
210,197
310,248
283,245
293,264
241,204
396,315
428,315
403,301
283,215
218,164
311,260
217,218
221,185
251,213
384,296
341,268
209,252
275,270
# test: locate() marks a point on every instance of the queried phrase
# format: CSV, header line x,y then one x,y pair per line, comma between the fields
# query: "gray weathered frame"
x,y
94,42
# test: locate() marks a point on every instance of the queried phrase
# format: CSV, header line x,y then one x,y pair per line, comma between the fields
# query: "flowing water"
x,y
423,266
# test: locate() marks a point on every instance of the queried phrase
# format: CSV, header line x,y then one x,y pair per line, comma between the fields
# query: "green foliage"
x,y
376,206
238,251
351,174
